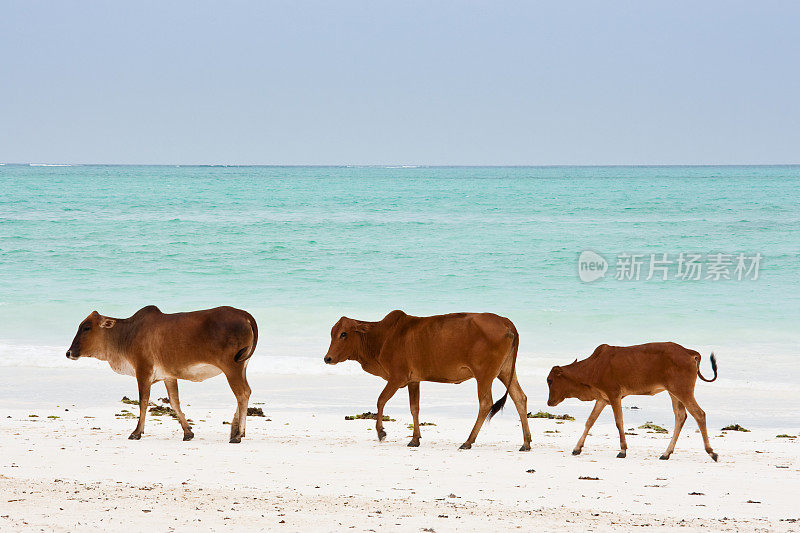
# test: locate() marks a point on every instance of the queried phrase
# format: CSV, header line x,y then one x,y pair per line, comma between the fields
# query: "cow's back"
x,y
446,347
643,368
176,341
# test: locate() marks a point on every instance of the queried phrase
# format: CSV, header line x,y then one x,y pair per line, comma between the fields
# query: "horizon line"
x,y
398,165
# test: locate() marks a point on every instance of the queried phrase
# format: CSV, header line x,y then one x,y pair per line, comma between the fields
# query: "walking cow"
x,y
154,346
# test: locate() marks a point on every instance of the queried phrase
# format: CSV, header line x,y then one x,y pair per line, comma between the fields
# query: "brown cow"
x,y
154,346
405,350
613,372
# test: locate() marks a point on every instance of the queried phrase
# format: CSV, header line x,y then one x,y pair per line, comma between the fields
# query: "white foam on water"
x,y
532,366
43,356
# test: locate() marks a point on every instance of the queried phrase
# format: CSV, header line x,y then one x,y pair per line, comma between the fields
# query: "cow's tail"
x,y
245,353
499,404
713,367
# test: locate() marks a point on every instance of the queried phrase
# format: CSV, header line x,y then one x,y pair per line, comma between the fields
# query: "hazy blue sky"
x,y
400,82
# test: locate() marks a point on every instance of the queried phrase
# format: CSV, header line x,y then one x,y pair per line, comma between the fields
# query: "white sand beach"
x,y
303,467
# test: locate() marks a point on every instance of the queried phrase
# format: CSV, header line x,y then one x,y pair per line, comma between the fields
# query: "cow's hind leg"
x,y
616,405
241,390
700,416
175,403
144,381
243,407
413,400
599,405
680,418
386,395
484,406
520,402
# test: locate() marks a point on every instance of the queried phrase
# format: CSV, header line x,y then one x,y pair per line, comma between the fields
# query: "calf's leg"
x,y
700,416
484,406
413,400
616,405
144,381
680,418
241,390
243,404
599,405
175,403
385,396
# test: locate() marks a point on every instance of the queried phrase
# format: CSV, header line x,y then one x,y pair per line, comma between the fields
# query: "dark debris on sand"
x,y
369,416
550,416
735,427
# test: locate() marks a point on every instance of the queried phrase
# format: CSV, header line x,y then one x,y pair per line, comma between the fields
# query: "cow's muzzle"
x,y
72,355
328,359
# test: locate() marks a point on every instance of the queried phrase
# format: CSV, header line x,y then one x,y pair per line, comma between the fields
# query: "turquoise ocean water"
x,y
301,246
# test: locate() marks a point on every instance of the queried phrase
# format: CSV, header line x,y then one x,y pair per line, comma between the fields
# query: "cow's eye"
x,y
87,327
549,381
343,335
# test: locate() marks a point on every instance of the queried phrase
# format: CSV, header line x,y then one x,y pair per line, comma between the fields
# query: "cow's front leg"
x,y
598,408
413,400
144,380
616,405
386,395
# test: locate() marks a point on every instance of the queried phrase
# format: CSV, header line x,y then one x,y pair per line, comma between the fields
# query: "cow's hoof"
x,y
714,456
525,448
621,455
381,435
465,446
188,436
414,443
135,436
236,440
576,452
664,457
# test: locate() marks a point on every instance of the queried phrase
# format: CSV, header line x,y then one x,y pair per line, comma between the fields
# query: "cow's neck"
x,y
371,343
118,341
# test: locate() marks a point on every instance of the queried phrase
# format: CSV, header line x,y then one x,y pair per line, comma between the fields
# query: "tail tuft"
x,y
713,367
497,407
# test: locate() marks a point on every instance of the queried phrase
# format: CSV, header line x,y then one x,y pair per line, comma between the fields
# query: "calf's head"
x,y
563,385
346,340
92,336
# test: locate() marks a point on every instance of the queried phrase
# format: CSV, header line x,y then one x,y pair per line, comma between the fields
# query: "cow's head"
x,y
90,341
346,340
563,384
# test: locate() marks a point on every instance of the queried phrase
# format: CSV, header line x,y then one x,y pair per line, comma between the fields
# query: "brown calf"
x,y
153,346
405,350
613,372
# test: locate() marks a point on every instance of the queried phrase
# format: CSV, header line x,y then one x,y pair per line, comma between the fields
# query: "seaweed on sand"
x,y
735,427
550,416
369,416
653,428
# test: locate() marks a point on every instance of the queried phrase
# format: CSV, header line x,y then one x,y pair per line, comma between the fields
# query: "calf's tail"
x,y
245,353
499,404
713,367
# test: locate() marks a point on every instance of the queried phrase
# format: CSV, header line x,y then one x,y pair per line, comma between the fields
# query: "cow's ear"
x,y
557,370
106,322
362,327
